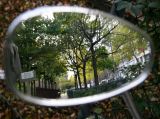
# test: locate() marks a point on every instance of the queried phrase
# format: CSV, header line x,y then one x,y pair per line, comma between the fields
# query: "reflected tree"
x,y
38,48
95,30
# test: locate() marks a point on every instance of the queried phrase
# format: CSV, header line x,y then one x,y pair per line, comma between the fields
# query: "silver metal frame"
x,y
83,100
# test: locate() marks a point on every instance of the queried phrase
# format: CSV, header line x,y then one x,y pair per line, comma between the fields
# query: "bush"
x,y
72,93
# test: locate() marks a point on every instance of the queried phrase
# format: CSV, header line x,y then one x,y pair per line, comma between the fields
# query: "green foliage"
x,y
37,49
126,44
105,64
98,110
94,90
137,7
66,84
123,4
133,9
132,71
155,4
103,61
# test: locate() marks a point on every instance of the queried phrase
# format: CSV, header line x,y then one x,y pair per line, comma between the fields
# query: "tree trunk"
x,y
42,83
84,74
94,65
39,82
75,80
78,76
20,87
45,83
24,88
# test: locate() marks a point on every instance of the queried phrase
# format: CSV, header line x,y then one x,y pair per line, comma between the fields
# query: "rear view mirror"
x,y
62,56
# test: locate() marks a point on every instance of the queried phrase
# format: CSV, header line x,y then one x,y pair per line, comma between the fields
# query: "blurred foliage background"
x,y
143,13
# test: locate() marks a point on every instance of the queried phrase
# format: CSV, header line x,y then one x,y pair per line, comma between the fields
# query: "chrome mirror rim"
x,y
76,101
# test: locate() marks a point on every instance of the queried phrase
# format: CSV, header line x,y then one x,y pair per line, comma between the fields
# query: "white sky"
x,y
48,15
70,73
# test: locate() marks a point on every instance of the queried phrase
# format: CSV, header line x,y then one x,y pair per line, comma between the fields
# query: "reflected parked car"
x,y
104,81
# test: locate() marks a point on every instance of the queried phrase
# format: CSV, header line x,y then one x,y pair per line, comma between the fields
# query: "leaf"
x,y
140,1
139,6
116,1
154,4
98,110
135,10
122,5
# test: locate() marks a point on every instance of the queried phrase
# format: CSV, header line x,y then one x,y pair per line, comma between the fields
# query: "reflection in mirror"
x,y
68,55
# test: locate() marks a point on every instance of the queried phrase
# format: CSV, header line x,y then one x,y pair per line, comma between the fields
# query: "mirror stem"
x,y
127,97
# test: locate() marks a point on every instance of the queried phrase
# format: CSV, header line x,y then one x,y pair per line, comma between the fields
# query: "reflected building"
x,y
140,58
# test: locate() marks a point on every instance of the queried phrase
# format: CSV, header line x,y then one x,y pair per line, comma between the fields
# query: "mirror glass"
x,y
67,55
